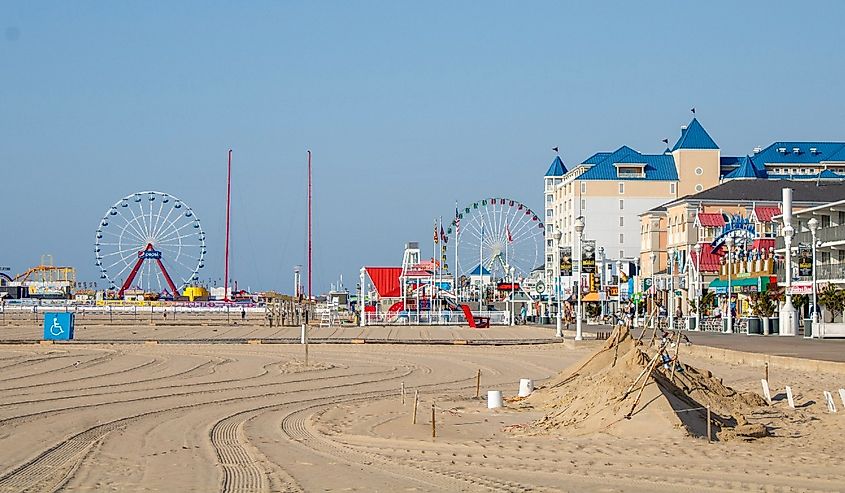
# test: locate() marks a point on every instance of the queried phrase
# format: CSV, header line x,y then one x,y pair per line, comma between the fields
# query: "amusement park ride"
x,y
152,238
494,244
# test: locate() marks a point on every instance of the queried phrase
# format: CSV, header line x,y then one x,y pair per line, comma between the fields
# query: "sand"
x,y
240,418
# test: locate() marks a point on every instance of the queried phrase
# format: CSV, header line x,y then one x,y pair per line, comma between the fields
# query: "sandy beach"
x,y
238,418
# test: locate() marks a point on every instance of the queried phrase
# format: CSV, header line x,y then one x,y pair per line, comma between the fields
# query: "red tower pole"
x,y
309,224
228,208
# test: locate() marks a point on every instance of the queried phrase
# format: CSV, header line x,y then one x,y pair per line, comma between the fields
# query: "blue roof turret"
x,y
557,168
695,137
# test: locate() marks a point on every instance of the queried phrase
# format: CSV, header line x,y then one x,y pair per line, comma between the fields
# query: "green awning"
x,y
747,285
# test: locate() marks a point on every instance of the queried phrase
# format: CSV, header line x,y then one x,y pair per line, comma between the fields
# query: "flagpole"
x,y
440,273
457,264
481,266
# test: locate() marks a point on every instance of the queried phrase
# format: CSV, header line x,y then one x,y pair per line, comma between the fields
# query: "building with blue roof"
x,y
612,188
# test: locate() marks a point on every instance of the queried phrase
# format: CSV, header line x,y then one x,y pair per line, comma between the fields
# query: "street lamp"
x,y
814,225
729,242
619,285
361,305
601,279
558,321
697,248
513,294
670,296
653,257
579,228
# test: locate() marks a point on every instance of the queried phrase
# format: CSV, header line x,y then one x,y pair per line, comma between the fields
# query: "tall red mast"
x,y
309,224
228,207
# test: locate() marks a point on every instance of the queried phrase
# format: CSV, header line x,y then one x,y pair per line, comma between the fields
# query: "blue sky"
x,y
407,106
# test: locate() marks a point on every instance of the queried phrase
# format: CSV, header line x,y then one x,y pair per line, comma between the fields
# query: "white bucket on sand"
x,y
526,386
494,399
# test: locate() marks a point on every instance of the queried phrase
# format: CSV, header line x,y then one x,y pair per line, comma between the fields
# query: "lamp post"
x,y
653,257
619,285
729,242
579,228
697,248
637,282
558,320
513,293
361,305
670,296
601,279
814,226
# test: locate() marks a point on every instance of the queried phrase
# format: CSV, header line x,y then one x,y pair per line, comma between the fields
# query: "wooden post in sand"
x,y
478,384
767,371
709,435
433,423
416,402
403,393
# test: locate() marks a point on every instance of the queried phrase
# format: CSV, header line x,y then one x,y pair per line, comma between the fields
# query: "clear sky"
x,y
407,107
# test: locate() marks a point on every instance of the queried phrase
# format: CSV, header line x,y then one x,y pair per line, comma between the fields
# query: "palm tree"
x,y
832,298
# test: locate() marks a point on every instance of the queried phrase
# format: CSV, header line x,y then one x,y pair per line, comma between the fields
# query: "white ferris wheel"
x,y
495,233
150,241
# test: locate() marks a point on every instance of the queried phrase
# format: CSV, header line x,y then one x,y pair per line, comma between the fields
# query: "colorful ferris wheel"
x,y
150,241
496,233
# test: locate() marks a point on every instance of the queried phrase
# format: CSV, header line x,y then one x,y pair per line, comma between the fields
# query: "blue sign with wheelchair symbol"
x,y
58,326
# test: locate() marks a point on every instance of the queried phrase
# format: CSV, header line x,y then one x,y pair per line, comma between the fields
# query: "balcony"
x,y
825,235
826,272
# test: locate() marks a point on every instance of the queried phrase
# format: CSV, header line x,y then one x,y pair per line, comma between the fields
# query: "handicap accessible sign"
x,y
58,326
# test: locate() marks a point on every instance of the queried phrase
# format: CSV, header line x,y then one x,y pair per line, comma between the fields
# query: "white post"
x,y
788,317
653,257
579,227
670,298
619,286
729,243
698,286
558,315
361,304
814,224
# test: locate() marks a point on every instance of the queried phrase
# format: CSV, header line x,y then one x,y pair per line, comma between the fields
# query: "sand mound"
x,y
599,394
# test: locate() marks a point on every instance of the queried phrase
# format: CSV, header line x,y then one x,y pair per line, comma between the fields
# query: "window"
x,y
825,221
621,204
621,253
841,218
583,187
621,187
672,188
622,220
621,237
549,199
583,204
699,171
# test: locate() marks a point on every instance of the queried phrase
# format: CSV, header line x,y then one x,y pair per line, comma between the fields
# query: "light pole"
x,y
558,320
601,280
361,305
579,228
814,225
670,297
697,248
513,293
619,285
637,282
653,257
729,242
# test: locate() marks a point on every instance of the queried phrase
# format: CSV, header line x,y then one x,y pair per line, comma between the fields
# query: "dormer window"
x,y
630,170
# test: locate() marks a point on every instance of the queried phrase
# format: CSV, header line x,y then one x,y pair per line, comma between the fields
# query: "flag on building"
x,y
436,234
443,235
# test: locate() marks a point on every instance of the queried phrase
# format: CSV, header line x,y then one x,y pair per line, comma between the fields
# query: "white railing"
x,y
434,318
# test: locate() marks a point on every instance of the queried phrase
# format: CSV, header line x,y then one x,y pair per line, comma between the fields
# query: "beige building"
x,y
611,189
